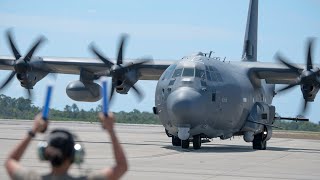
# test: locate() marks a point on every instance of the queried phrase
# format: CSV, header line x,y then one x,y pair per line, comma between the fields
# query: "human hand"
x,y
39,124
107,121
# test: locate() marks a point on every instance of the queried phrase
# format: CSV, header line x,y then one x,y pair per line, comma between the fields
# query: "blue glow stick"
x,y
104,96
45,110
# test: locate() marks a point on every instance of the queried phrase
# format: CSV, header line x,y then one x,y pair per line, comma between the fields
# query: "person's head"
x,y
61,148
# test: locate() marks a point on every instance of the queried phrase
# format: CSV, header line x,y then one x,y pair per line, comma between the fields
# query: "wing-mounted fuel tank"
x,y
80,91
84,89
260,117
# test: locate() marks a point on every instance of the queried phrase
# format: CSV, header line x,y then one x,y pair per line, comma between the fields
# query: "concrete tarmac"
x,y
151,155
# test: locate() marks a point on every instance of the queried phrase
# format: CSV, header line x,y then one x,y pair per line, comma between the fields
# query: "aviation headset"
x,y
69,148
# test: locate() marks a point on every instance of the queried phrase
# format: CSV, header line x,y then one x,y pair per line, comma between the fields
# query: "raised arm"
x,y
121,165
12,163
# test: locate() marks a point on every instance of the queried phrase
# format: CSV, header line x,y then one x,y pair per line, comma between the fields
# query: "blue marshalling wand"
x,y
104,96
45,110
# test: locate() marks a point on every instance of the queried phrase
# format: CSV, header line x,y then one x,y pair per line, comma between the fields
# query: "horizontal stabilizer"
x,y
292,118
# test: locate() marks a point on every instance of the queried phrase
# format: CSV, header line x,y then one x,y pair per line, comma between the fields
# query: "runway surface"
x,y
151,155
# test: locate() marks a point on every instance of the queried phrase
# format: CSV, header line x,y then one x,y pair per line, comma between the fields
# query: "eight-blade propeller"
x,y
307,77
118,71
21,64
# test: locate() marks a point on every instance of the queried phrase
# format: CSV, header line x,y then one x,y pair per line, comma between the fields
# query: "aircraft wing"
x,y
148,71
273,73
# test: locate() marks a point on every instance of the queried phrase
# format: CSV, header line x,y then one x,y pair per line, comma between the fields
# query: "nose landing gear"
x,y
196,141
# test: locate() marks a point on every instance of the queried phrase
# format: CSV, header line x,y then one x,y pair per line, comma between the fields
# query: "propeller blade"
x,y
136,64
53,76
317,73
139,93
8,79
33,49
129,67
112,90
29,93
309,54
289,65
100,56
287,87
305,107
120,52
131,84
12,45
28,87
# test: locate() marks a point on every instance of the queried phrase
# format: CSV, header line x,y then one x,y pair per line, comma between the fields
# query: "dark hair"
x,y
60,147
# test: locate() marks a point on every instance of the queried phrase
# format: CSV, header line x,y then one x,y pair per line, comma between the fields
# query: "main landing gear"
x,y
259,142
196,141
176,141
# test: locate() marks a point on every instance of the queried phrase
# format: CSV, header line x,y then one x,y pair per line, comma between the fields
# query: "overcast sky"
x,y
162,29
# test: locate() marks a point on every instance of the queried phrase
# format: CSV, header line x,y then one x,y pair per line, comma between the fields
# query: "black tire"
x,y
196,142
176,141
259,142
185,144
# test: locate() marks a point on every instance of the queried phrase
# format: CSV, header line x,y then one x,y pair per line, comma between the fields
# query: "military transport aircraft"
x,y
197,97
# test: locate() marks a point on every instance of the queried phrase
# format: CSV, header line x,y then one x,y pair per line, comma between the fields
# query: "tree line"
x,y
20,108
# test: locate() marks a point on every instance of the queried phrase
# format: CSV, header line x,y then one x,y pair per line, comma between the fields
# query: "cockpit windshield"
x,y
191,72
188,72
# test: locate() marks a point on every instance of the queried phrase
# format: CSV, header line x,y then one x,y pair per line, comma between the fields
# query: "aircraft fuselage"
x,y
204,96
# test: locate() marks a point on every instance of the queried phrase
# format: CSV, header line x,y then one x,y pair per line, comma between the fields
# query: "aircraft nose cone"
x,y
186,105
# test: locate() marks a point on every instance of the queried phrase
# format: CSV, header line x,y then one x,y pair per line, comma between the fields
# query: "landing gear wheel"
x,y
259,142
185,144
176,141
196,142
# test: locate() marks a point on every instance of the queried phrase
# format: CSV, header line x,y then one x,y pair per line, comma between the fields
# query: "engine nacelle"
x,y
30,78
309,92
122,86
87,92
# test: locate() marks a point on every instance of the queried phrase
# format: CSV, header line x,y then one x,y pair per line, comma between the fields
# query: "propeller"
x,y
21,64
118,71
307,77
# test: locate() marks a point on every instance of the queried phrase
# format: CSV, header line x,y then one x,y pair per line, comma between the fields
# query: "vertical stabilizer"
x,y
250,40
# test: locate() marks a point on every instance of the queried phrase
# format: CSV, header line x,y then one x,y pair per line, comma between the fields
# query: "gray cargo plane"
x,y
197,98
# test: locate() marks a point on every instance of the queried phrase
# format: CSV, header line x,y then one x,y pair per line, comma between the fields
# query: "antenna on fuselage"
x,y
210,54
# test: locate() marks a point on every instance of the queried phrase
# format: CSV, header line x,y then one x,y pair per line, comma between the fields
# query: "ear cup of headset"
x,y
77,151
42,150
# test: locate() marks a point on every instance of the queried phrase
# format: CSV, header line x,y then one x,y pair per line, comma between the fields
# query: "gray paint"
x,y
236,101
250,41
187,103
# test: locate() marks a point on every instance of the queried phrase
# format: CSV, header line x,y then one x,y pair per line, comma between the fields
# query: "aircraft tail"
x,y
250,40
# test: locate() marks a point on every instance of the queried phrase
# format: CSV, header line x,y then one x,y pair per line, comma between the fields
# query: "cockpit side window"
x,y
177,73
200,73
188,72
213,74
208,76
169,72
